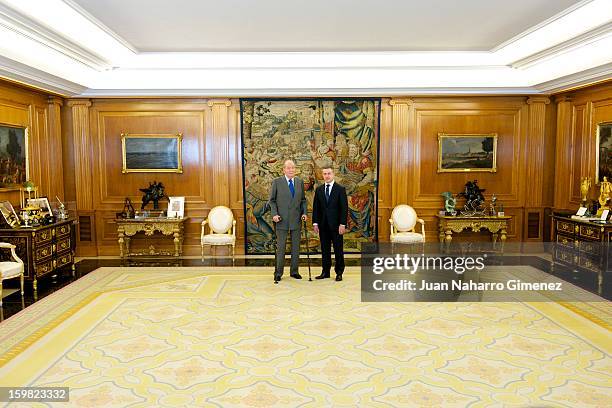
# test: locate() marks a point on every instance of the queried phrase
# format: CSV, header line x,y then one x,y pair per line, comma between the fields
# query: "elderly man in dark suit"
x,y
288,205
329,217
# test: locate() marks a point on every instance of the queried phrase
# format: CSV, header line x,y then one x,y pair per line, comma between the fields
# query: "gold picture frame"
x,y
464,153
7,154
603,156
151,153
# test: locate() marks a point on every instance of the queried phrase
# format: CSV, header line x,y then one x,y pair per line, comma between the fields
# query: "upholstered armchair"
x,y
403,221
222,226
10,269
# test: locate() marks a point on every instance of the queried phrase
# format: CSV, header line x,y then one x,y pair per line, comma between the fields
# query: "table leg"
x,y
441,233
448,236
128,240
503,238
120,234
177,244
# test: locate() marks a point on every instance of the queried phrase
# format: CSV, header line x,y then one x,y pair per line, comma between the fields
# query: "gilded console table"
x,y
448,224
128,227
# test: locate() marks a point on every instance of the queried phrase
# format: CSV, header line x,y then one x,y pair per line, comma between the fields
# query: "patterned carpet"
x,y
143,337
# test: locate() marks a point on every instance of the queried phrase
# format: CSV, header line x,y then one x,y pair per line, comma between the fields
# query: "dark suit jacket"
x,y
289,208
335,211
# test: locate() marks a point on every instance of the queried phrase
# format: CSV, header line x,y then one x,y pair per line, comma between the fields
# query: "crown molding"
x,y
295,92
24,74
86,15
544,23
591,36
30,29
583,78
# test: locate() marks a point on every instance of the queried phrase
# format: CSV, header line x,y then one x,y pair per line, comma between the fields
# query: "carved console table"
x,y
498,226
128,227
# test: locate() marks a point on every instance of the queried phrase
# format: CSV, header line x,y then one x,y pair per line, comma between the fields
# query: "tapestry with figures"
x,y
314,133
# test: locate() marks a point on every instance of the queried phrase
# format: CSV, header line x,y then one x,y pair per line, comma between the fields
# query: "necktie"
x,y
327,192
291,188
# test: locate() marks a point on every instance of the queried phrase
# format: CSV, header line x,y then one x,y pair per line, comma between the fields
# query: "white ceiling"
x,y
96,48
320,25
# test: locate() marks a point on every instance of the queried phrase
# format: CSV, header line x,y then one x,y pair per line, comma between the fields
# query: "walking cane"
x,y
307,251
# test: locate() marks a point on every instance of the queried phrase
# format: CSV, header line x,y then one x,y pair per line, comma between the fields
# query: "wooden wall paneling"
x,y
218,150
505,116
385,176
536,158
235,173
110,118
55,161
24,107
84,183
403,149
563,152
578,113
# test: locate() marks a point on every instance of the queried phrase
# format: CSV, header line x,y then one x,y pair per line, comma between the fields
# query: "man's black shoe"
x,y
322,276
296,276
338,278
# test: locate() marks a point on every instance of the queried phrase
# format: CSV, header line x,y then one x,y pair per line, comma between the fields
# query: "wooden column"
x,y
81,141
563,152
535,150
403,157
56,171
533,229
217,151
83,176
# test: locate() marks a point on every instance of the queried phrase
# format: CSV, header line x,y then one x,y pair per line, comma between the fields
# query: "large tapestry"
x,y
314,133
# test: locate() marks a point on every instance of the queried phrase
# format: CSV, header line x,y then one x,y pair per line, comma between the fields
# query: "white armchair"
x,y
403,221
10,269
222,226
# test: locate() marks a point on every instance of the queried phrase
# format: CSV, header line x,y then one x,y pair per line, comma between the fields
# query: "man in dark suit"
x,y
288,205
329,217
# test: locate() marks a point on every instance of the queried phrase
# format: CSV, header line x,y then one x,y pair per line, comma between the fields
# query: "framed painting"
x,y
459,153
9,215
13,157
604,152
42,203
149,153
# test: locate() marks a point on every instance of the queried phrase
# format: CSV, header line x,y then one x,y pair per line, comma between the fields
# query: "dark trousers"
x,y
281,241
330,236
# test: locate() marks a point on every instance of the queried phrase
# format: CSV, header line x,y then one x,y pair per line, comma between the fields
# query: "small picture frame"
x,y
604,215
9,214
42,203
176,207
581,211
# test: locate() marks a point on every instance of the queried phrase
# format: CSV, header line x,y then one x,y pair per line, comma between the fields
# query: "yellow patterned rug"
x,y
185,337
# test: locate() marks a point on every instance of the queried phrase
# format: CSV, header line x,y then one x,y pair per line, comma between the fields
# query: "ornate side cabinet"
x,y
43,249
582,246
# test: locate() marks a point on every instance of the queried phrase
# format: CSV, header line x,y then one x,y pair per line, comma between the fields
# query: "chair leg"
x,y
202,251
21,279
233,253
0,292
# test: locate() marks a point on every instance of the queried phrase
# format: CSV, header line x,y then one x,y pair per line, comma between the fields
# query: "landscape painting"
x,y
315,134
467,153
604,151
151,153
13,156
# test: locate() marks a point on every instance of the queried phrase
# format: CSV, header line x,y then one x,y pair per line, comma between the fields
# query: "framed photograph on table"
x,y
176,207
13,157
8,214
151,153
42,203
462,153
